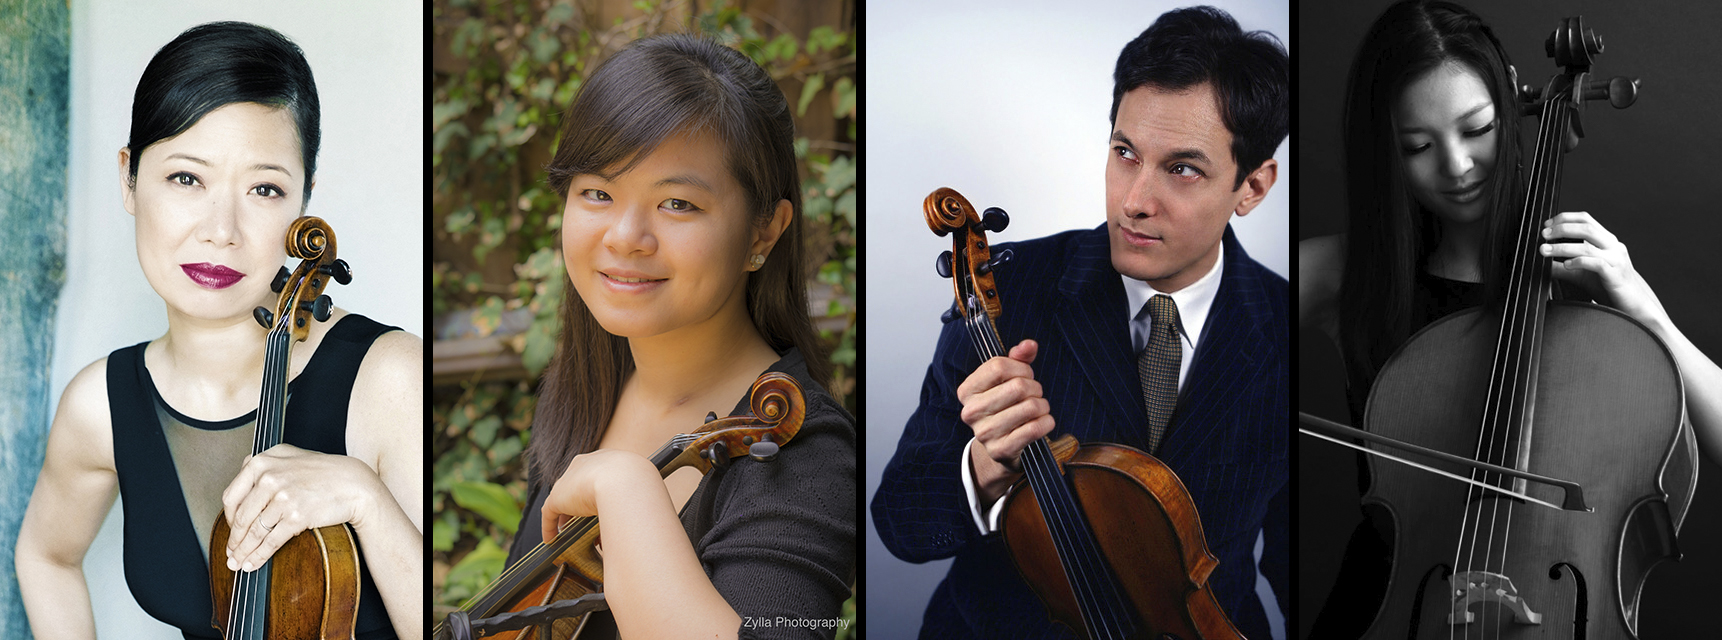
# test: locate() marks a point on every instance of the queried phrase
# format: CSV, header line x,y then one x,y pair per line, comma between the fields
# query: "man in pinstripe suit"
x,y
1198,108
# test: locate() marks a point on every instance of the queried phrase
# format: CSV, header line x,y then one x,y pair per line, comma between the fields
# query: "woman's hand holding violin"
x,y
288,490
1587,254
590,475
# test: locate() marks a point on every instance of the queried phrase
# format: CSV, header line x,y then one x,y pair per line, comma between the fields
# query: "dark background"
x,y
1647,173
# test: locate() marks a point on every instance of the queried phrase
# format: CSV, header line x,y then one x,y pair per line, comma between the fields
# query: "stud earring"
x,y
758,260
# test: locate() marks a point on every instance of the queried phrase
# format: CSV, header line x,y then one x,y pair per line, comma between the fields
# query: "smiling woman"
x,y
682,243
220,161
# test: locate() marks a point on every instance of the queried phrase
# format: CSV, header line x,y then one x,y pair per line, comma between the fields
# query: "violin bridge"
x,y
1472,587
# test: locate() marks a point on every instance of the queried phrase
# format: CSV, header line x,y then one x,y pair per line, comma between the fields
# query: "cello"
x,y
1517,402
563,578
1106,535
310,587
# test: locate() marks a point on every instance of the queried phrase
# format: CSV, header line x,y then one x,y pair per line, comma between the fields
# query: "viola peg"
x,y
995,219
710,416
338,270
943,265
263,316
280,280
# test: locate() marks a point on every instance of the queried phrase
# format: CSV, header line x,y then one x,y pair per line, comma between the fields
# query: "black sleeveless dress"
x,y
169,464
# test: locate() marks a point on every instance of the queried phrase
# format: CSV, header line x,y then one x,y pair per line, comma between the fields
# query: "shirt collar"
x,y
1193,303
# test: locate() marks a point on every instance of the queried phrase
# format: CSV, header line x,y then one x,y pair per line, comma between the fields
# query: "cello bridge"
x,y
1472,587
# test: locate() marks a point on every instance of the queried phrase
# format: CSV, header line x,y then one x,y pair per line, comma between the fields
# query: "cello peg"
x,y
943,265
263,316
995,219
279,281
1620,91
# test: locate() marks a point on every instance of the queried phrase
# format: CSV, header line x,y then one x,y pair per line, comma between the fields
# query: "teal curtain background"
x,y
34,90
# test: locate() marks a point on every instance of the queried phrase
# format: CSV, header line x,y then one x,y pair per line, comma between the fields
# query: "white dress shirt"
x,y
1193,302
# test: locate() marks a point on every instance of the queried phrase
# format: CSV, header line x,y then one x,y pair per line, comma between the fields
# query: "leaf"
x,y
843,98
488,316
483,432
559,13
444,530
489,500
808,90
480,566
846,206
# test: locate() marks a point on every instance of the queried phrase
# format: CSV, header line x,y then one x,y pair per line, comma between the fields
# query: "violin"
x,y
1106,535
567,571
310,587
1532,404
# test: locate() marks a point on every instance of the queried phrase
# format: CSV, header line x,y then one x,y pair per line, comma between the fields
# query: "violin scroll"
x,y
312,241
778,409
970,262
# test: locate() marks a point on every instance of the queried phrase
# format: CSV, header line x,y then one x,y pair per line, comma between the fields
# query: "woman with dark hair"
x,y
221,160
1433,183
687,282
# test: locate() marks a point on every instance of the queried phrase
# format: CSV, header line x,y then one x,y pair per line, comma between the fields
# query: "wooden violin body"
x,y
1145,524
1106,535
569,566
310,587
314,584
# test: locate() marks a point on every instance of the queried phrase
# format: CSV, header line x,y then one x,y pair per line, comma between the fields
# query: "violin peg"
x,y
338,270
943,265
717,455
999,260
710,416
949,315
763,451
280,280
263,316
1620,91
319,308
995,219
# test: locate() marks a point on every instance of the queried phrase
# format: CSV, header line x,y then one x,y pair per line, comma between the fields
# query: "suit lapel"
x,y
1095,329
1224,367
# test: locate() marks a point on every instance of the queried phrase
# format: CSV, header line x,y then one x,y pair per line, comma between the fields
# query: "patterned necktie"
x,y
1158,367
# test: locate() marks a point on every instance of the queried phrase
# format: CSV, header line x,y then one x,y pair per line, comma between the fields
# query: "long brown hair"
x,y
657,88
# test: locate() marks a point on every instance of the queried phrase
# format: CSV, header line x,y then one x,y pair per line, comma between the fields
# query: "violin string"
x,y
244,588
1101,606
544,551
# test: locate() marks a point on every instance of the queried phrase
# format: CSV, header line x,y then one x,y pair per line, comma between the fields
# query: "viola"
x,y
1530,404
567,570
1106,535
310,587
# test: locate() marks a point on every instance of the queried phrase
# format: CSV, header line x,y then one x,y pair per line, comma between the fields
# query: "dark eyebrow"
x,y
256,167
1177,154
1468,113
689,180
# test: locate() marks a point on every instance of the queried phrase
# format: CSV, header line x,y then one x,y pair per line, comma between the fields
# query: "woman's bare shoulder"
x,y
83,417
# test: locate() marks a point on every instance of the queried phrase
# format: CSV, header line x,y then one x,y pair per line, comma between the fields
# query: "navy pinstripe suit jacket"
x,y
1226,441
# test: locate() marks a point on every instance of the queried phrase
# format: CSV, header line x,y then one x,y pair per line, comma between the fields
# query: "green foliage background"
x,y
505,72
